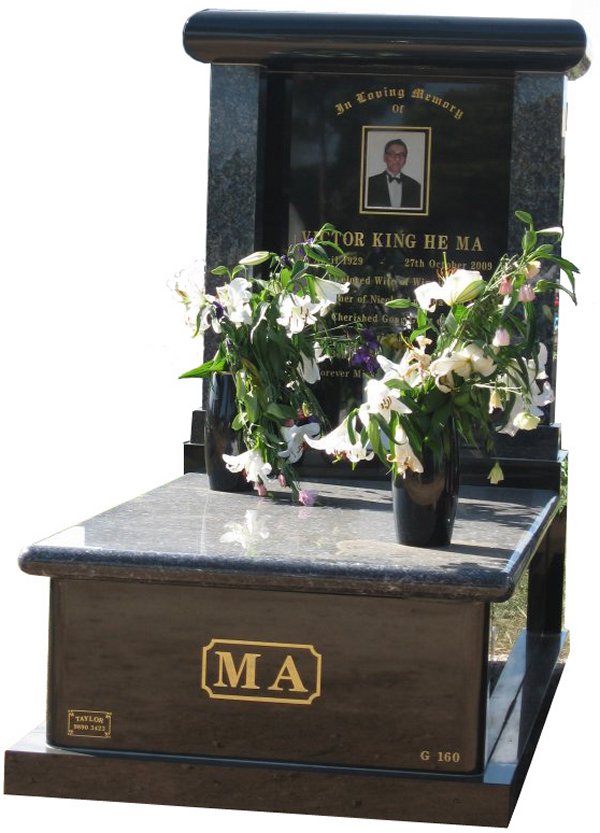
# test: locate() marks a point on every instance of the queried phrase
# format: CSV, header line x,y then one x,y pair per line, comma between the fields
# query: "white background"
x,y
103,198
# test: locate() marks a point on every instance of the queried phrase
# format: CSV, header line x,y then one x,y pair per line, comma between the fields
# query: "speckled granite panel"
x,y
185,532
537,160
234,171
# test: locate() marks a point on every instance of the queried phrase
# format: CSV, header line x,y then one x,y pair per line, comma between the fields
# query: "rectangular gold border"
x,y
219,640
424,212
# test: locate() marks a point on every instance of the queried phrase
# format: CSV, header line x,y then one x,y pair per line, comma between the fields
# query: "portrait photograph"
x,y
395,170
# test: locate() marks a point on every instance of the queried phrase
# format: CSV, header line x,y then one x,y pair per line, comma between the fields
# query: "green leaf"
x,y
316,253
400,303
280,411
237,423
220,270
207,369
524,217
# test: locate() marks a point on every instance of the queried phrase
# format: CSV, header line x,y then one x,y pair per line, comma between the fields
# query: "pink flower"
x,y
526,293
307,497
261,489
505,287
282,480
501,338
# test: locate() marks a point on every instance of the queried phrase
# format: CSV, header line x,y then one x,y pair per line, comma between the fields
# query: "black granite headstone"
x,y
308,112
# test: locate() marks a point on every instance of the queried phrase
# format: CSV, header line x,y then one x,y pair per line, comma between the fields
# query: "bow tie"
x,y
394,178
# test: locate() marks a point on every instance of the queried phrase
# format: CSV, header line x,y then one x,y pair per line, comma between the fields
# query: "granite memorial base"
x,y
219,650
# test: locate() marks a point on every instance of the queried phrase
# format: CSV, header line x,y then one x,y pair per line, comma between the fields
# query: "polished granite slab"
x,y
184,532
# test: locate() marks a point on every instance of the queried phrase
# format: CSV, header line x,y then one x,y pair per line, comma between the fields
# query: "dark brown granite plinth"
x,y
515,717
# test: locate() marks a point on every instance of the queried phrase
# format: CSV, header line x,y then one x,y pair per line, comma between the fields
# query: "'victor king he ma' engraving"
x,y
265,672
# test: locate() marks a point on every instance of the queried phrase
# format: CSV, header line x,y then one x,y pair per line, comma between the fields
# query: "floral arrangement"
x,y
472,359
273,334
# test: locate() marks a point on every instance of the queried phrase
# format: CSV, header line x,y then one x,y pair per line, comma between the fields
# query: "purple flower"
x,y
307,497
363,358
370,339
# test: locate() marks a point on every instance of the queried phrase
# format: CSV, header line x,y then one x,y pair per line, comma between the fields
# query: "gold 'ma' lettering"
x,y
234,675
288,671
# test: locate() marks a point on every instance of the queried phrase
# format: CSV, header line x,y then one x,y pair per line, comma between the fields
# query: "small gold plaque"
x,y
89,724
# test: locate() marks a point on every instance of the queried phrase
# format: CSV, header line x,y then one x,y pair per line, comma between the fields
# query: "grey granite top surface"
x,y
183,532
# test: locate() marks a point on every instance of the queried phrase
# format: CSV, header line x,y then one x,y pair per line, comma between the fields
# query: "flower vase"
x,y
425,502
220,438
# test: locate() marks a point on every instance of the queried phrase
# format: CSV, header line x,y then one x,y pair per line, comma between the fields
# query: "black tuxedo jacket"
x,y
378,194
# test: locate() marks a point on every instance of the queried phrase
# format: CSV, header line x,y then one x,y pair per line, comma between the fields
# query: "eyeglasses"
x,y
391,153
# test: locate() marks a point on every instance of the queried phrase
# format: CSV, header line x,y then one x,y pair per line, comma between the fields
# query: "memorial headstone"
x,y
242,657
467,113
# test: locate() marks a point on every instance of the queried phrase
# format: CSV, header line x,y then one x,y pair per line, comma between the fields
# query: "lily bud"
x,y
526,421
526,293
496,474
501,338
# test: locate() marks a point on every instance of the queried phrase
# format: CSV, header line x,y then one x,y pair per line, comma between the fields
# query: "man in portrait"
x,y
391,188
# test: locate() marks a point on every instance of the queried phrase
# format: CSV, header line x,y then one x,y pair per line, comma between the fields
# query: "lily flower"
x,y
381,399
251,463
402,455
338,444
328,291
234,297
532,268
464,362
296,312
295,437
460,287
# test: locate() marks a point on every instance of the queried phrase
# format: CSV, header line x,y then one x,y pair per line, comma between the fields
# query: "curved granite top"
x,y
291,38
183,532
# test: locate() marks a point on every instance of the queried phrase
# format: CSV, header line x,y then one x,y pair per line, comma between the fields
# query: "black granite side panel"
x,y
537,163
235,171
537,181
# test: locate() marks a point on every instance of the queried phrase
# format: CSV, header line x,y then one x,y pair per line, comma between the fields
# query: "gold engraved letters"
x,y
265,672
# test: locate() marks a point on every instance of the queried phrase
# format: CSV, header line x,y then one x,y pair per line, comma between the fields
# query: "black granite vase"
x,y
425,503
219,436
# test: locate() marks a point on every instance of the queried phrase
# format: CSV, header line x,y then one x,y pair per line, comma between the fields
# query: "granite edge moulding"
x,y
432,575
285,38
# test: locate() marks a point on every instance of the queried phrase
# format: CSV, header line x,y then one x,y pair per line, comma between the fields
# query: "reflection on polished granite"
x,y
182,531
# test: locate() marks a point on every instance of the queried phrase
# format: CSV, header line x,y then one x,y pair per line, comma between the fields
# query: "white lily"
x,y
414,365
295,437
234,297
381,399
338,444
309,367
526,411
296,312
402,455
328,291
252,463
459,287
464,362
